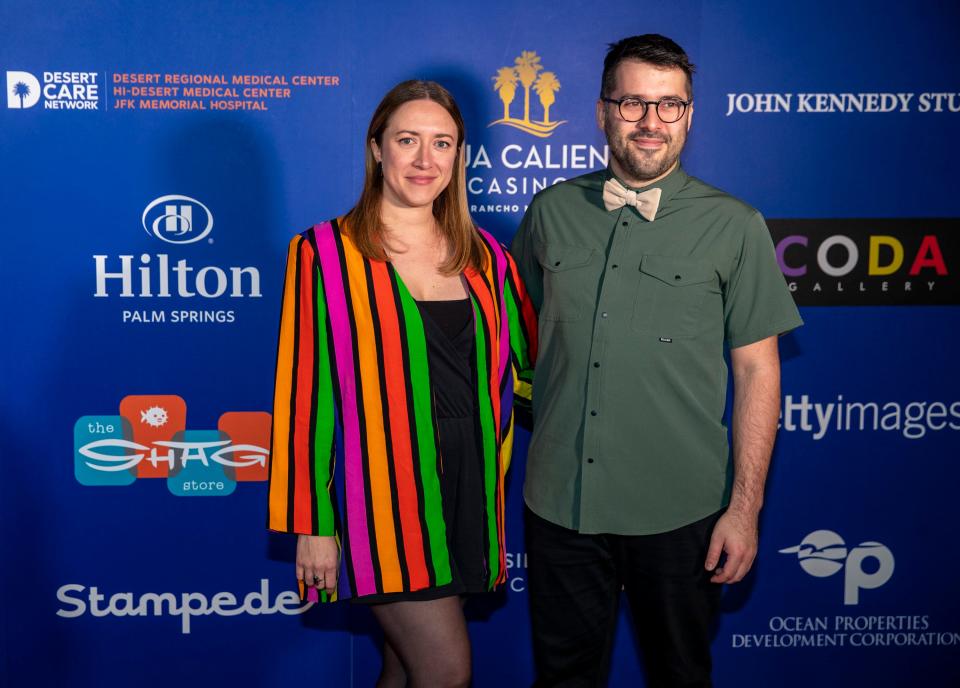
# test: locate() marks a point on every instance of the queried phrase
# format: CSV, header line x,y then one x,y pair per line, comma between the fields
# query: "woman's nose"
x,y
424,157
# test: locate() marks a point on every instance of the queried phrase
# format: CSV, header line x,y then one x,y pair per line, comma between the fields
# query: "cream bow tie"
x,y
616,195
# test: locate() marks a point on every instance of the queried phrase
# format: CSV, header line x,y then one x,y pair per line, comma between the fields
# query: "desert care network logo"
x,y
149,440
174,221
913,420
867,567
870,262
56,90
78,600
503,176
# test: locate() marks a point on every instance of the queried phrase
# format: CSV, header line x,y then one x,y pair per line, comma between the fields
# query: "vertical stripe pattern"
x,y
352,364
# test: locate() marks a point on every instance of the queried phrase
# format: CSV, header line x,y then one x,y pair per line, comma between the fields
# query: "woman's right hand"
x,y
317,562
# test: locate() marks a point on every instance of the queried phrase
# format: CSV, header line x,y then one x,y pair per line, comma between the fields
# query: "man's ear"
x,y
601,114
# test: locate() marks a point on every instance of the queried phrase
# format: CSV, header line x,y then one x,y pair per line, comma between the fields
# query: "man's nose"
x,y
650,119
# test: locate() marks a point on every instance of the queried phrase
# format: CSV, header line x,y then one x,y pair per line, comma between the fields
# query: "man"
x,y
642,276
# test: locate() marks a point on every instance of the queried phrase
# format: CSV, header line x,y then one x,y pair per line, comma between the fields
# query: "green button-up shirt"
x,y
630,382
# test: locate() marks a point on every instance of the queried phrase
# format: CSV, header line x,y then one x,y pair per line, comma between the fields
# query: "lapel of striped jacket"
x,y
485,292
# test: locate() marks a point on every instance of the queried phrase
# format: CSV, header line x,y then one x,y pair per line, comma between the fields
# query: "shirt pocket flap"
x,y
677,272
560,258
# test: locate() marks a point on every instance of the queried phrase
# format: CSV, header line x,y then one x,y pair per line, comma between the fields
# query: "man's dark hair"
x,y
651,48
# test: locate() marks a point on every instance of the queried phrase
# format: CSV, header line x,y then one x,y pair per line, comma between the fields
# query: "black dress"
x,y
449,327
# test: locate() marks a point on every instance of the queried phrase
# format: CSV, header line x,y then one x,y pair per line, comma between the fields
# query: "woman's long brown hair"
x,y
364,224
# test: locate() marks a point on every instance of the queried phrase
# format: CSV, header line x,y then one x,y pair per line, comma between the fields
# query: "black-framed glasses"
x,y
634,109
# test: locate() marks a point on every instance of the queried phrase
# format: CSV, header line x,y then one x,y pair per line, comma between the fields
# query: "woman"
x,y
404,331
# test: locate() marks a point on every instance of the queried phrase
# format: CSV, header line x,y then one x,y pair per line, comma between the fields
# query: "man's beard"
x,y
640,165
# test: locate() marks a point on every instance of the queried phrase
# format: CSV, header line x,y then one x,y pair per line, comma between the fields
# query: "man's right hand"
x,y
317,561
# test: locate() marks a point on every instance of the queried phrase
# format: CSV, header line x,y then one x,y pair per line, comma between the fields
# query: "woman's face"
x,y
418,151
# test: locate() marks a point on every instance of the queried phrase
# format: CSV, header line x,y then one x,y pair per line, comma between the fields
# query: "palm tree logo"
x,y
506,83
546,86
528,71
21,91
528,64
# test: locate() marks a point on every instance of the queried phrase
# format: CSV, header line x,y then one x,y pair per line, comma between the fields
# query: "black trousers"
x,y
574,589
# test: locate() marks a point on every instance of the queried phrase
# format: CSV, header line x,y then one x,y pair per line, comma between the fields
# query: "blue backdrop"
x,y
156,159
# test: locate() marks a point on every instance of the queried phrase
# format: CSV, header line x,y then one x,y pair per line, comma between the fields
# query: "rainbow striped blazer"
x,y
354,448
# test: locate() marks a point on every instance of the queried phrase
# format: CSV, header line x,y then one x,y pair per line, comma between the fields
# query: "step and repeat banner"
x,y
156,159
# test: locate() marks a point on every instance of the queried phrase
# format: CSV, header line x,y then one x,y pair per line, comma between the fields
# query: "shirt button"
x,y
596,364
593,413
590,460
615,266
603,315
625,224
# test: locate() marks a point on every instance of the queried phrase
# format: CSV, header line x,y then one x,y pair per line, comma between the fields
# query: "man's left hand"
x,y
736,535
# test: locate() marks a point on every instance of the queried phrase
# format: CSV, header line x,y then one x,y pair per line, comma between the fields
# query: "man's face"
x,y
645,151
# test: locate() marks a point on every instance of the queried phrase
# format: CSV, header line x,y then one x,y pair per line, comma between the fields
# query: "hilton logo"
x,y
171,219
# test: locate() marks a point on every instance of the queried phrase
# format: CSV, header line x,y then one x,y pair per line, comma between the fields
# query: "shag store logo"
x,y
149,439
823,553
60,90
171,219
527,72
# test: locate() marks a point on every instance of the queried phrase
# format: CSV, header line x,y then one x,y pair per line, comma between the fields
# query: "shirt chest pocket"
x,y
566,282
677,297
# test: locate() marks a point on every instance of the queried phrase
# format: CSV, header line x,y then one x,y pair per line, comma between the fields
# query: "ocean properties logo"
x,y
149,439
823,553
868,566
59,91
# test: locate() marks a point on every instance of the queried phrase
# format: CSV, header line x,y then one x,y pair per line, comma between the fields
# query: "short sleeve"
x,y
757,301
531,274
